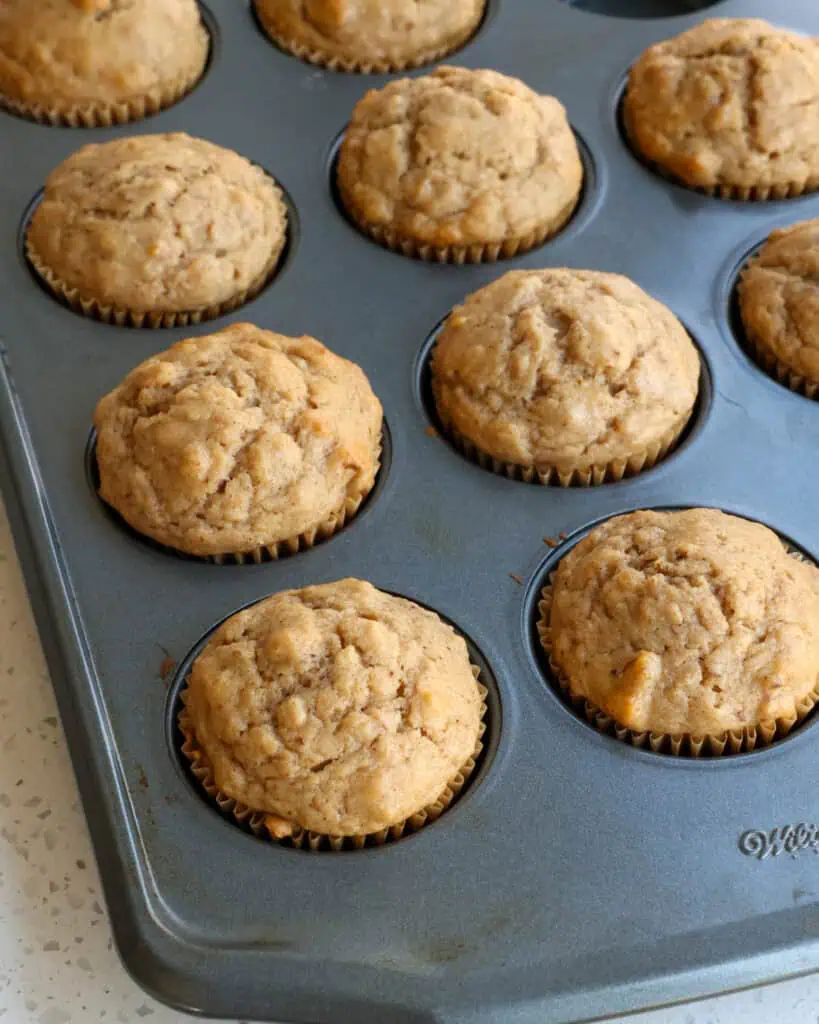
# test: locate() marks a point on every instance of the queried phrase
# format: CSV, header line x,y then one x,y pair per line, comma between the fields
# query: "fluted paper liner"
x,y
270,826
104,115
333,62
737,193
315,535
335,522
780,371
477,252
759,193
96,310
576,476
733,741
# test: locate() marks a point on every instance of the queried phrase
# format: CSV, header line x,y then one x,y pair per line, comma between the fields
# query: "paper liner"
x,y
335,522
733,741
478,252
583,476
757,193
269,826
333,62
104,115
95,310
304,541
737,193
775,368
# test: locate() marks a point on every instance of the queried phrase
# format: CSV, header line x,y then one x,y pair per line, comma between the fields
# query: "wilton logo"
x,y
790,839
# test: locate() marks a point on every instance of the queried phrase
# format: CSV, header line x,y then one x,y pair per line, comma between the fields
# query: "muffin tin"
x,y
576,876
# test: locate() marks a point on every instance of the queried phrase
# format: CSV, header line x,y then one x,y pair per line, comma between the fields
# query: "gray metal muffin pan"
x,y
577,877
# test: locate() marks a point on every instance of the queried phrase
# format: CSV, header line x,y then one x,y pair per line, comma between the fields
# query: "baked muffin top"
x,y
732,101
64,53
779,297
563,368
390,33
458,157
692,622
337,708
164,223
237,440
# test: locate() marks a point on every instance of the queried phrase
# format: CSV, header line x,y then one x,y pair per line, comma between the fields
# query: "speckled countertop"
x,y
57,961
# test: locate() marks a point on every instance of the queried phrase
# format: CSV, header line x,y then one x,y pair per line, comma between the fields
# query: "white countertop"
x,y
57,962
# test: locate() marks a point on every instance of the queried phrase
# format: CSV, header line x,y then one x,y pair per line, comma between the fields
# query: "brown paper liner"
x,y
95,310
334,523
756,193
737,193
315,535
269,826
580,476
780,371
477,252
333,62
734,741
104,115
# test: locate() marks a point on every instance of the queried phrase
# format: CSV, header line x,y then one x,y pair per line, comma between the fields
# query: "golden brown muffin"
x,y
779,305
459,166
730,107
239,442
692,623
335,709
569,376
157,230
98,62
370,35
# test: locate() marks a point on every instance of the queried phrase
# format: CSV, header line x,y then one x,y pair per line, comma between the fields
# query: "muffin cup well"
x,y
104,115
96,310
780,371
572,476
734,741
736,193
477,252
270,826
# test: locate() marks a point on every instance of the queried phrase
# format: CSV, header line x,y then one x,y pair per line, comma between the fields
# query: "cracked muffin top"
x,y
58,54
459,157
692,622
336,708
237,440
779,297
159,223
383,34
563,368
730,102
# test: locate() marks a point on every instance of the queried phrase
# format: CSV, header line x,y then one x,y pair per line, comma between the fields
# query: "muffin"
x,y
693,631
369,35
779,306
564,376
157,230
459,166
334,712
730,107
98,62
242,443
